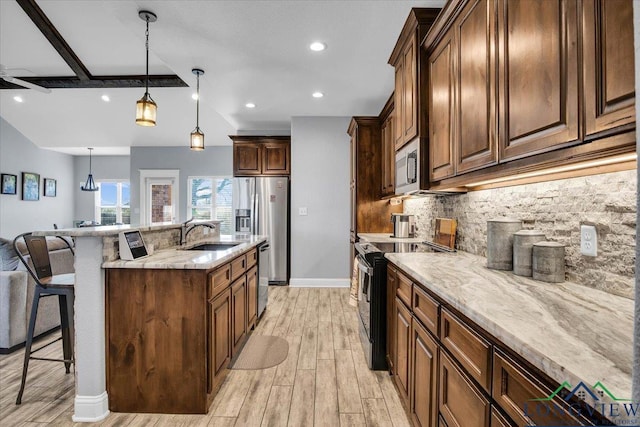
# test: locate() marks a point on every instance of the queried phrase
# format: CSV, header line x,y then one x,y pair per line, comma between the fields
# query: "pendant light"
x,y
197,137
145,107
90,185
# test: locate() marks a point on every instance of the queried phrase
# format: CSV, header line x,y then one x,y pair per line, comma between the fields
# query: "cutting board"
x,y
445,233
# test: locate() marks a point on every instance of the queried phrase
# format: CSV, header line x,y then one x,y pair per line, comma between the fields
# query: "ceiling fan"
x,y
6,75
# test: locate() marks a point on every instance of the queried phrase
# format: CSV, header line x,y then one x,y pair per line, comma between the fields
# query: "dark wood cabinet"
x,y
498,420
539,99
391,325
369,214
410,77
402,346
388,166
609,79
460,402
219,315
252,297
261,155
424,375
238,314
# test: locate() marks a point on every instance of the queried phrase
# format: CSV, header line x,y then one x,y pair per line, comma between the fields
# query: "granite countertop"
x,y
570,332
386,238
180,258
111,230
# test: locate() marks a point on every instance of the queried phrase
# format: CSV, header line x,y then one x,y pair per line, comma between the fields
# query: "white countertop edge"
x,y
113,230
386,238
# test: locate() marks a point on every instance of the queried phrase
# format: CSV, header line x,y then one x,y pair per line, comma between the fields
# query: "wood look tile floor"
x,y
323,382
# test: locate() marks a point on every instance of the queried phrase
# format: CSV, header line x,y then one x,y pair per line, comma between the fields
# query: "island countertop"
x,y
570,332
185,259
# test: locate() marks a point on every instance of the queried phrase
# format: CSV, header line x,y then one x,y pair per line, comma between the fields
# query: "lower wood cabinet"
x,y
252,297
238,314
462,404
497,420
219,314
403,346
391,325
424,375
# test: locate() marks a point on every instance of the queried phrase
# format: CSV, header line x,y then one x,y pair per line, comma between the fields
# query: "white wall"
x,y
18,154
213,161
103,167
320,182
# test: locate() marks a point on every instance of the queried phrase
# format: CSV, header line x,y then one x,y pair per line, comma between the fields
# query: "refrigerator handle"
x,y
256,213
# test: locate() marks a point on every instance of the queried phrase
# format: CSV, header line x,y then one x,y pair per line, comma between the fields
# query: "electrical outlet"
x,y
588,240
302,211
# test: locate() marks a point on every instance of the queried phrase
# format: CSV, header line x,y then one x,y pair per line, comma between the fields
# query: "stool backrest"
x,y
39,253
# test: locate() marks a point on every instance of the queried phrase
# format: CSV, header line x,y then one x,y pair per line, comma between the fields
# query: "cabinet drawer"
x,y
425,309
461,403
238,267
513,388
219,280
403,288
252,258
471,350
497,420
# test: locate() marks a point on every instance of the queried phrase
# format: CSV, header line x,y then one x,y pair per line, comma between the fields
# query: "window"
x,y
113,203
210,198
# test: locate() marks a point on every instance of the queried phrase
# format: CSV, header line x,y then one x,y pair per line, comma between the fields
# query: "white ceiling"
x,y
251,51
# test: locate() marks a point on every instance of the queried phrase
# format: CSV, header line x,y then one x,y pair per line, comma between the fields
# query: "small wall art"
x,y
9,183
30,186
50,187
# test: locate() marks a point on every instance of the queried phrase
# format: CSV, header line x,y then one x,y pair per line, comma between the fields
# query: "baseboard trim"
x,y
89,409
319,283
4,350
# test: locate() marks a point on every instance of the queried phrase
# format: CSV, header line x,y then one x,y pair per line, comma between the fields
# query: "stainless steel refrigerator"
x,y
261,206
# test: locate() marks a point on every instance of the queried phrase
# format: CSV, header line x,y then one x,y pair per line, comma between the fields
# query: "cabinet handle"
x,y
227,273
243,263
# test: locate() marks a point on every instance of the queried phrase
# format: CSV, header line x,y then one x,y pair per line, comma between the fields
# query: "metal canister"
x,y
523,242
500,242
548,262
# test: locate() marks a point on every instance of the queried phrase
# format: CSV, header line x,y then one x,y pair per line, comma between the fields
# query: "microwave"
x,y
407,171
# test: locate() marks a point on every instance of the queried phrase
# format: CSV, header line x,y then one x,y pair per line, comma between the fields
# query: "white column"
x,y
91,402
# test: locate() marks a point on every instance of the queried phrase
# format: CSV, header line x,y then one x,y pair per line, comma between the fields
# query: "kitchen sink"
x,y
214,247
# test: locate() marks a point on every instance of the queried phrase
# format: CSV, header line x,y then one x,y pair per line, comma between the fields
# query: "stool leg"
x,y
68,332
27,346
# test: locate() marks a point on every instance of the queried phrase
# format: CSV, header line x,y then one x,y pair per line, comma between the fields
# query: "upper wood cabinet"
x,y
538,75
410,77
388,165
261,155
609,79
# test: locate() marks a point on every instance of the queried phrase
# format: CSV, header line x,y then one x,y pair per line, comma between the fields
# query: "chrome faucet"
x,y
184,232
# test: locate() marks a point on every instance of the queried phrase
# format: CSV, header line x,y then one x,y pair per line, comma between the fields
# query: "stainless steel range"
x,y
372,295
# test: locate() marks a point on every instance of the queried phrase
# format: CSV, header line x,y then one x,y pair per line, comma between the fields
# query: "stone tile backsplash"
x,y
558,208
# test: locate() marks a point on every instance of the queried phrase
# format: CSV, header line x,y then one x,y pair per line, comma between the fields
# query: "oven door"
x,y
365,281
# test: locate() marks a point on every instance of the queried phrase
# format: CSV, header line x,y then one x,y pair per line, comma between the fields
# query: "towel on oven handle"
x,y
353,293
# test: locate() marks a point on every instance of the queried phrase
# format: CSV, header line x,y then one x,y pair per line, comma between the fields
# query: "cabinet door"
x,y
276,158
609,80
219,345
497,420
388,158
441,110
403,345
391,326
538,98
460,402
239,314
398,102
410,87
247,159
252,297
424,373
475,38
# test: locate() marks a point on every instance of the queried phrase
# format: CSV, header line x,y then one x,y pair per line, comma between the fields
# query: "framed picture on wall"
x,y
30,186
50,187
9,183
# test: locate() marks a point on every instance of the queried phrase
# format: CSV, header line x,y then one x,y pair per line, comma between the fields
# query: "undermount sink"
x,y
213,247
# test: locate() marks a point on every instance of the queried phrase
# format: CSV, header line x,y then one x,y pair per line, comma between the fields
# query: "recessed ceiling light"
x,y
317,94
105,98
194,96
317,46
250,105
18,98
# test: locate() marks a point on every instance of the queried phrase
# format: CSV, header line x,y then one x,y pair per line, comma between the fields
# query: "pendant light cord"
x,y
198,101
90,149
147,47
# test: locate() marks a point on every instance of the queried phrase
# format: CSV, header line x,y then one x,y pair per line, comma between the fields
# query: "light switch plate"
x,y
588,240
302,211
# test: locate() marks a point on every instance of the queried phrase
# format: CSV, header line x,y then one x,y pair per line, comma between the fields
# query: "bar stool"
x,y
46,285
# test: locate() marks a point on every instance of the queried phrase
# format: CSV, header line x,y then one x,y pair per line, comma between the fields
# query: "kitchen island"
x,y
96,248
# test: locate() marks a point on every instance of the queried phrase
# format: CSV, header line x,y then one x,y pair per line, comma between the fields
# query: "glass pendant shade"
x,y
197,140
146,111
